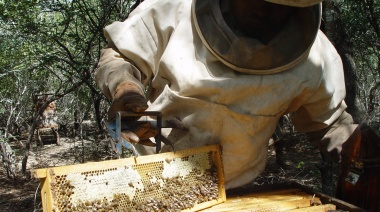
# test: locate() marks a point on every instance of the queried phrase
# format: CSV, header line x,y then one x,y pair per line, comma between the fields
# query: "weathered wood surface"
x,y
281,197
278,200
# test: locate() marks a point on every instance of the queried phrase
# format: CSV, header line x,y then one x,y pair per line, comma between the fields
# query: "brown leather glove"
x,y
129,97
330,140
140,134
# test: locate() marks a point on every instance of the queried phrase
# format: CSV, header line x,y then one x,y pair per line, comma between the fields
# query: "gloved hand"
x,y
331,139
140,134
129,97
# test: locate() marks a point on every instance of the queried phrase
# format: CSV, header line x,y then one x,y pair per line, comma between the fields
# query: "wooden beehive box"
x,y
185,180
291,197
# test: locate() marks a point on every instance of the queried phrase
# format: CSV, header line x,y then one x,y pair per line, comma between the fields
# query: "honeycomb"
x,y
185,180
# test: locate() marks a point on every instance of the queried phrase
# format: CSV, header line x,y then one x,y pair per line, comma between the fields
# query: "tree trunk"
x,y
8,159
97,101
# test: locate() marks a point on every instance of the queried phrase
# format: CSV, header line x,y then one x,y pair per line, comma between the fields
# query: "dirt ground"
x,y
23,194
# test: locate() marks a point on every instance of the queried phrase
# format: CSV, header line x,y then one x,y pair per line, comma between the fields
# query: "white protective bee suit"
x,y
224,87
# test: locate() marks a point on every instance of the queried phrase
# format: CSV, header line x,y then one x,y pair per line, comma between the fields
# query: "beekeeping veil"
x,y
296,3
248,55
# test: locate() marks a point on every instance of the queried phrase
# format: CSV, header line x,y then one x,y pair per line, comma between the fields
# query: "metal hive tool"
x,y
127,120
115,128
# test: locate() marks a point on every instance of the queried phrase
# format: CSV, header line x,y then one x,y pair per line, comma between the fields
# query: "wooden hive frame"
x,y
185,180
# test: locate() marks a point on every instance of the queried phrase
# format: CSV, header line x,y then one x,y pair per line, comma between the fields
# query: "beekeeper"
x,y
227,71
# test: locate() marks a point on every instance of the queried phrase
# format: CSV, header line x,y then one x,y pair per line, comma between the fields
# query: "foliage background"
x,y
52,46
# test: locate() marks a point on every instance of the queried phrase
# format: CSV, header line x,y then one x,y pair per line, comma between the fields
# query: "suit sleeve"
x,y
114,69
325,102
